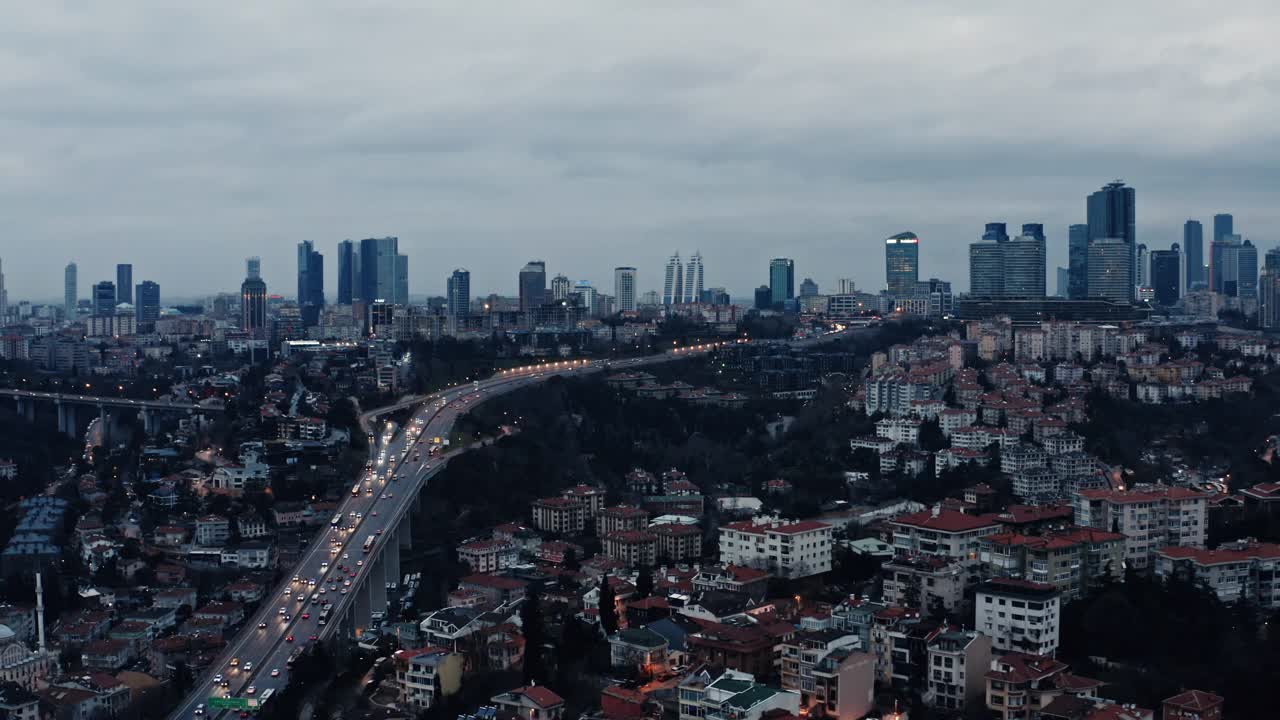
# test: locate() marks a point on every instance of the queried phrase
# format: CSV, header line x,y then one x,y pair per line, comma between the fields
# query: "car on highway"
x,y
217,679
251,690
262,624
306,616
199,709
248,667
359,563
288,638
275,672
235,662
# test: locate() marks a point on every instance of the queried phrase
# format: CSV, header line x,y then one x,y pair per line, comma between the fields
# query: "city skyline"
x,y
644,150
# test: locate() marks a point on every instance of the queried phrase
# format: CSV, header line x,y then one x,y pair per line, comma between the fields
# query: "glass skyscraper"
x,y
1166,275
1111,214
782,280
1111,269
902,264
1193,246
104,298
124,283
310,283
459,295
348,272
384,272
147,308
1024,266
533,285
986,267
69,292
1078,262
624,288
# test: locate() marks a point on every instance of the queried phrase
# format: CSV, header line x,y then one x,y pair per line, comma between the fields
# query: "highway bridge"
x,y
67,405
352,561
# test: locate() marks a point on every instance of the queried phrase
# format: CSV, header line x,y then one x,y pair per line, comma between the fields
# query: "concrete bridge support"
x,y
149,422
377,581
27,409
104,425
66,419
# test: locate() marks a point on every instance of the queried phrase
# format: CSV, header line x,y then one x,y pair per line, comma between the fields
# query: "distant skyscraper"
x,y
1223,225
782,279
560,287
1112,214
1024,266
995,232
808,288
1247,271
253,300
673,283
1111,269
693,279
147,305
763,298
348,272
104,298
1064,281
624,288
310,283
1269,292
384,272
902,264
459,295
1142,259
1272,261
587,297
1224,265
846,286
1193,246
1166,275
986,266
533,285
69,292
1078,261
124,283
4,298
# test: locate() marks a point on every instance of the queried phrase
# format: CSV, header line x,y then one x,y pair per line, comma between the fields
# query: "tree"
x,y
533,626
644,582
608,605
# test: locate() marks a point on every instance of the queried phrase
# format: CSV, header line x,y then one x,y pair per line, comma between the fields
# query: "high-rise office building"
x,y
1141,258
560,287
902,264
808,288
104,298
147,305
986,267
1111,214
1064,282
782,280
673,281
1111,269
587,297
4,298
624,288
310,283
124,283
69,292
1078,262
763,298
384,272
1247,270
1272,260
1166,275
1193,246
1223,225
253,300
693,278
846,286
1024,266
1269,298
533,285
348,272
458,295
1224,264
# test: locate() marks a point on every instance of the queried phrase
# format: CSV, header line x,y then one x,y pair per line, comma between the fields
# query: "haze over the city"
x,y
594,134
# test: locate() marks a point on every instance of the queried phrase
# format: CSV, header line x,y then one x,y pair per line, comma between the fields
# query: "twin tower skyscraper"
x,y
683,282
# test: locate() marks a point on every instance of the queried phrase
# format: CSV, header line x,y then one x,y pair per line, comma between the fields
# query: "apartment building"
x,y
1149,517
485,556
1019,616
1071,559
589,496
559,515
925,582
958,662
636,548
1241,570
677,543
946,533
802,652
427,675
1019,685
785,548
732,696
899,430
621,518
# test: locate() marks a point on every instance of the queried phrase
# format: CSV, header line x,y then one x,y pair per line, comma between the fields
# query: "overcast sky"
x,y
598,133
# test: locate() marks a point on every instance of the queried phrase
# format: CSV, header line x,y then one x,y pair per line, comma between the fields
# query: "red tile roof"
x,y
540,695
1143,495
493,581
1263,491
1229,553
791,528
1021,514
946,521
1194,700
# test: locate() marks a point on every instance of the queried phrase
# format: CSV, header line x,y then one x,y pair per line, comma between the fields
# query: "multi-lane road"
x,y
257,658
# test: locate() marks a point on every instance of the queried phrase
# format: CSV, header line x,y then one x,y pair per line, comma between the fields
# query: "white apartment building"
x,y
1149,517
785,548
485,556
956,671
899,430
1242,570
946,533
1019,615
953,419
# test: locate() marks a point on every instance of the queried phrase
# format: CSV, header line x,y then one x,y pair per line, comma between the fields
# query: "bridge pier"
x,y
392,553
378,577
362,607
66,419
404,535
104,425
27,409
148,423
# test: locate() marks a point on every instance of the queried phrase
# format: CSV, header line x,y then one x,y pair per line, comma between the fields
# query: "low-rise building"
x,y
1193,705
427,675
639,650
1149,517
732,696
947,533
534,702
958,662
484,556
1242,570
785,548
1019,685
